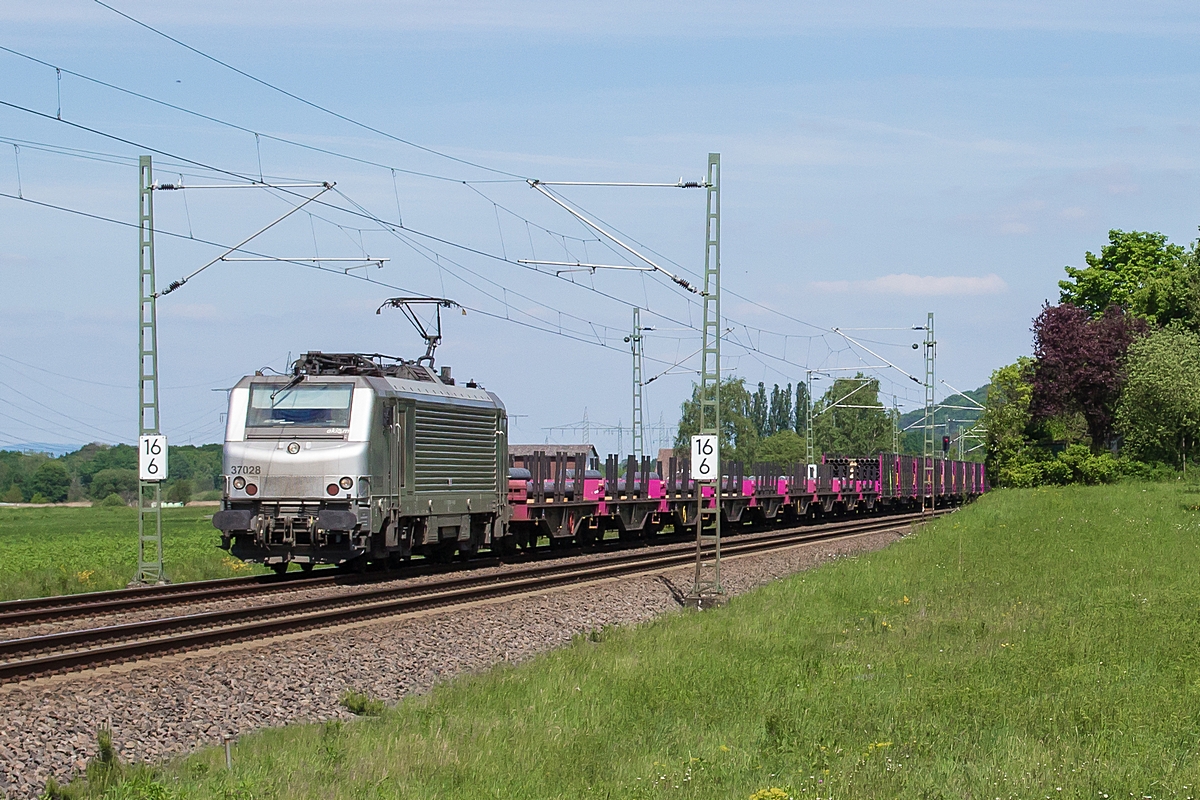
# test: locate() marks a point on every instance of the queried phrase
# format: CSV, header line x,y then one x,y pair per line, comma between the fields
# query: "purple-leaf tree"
x,y
1080,365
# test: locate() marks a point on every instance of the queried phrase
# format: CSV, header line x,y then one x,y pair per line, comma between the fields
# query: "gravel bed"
x,y
173,706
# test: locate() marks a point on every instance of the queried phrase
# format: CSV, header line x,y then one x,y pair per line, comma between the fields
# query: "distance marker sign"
x,y
704,457
152,457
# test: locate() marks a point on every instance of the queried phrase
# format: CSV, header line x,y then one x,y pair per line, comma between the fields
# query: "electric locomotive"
x,y
357,457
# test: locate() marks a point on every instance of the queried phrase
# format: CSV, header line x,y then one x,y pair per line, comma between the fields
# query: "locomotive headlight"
x,y
239,482
331,489
347,483
251,489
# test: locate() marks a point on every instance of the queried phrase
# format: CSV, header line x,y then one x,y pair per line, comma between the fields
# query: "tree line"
x,y
1113,386
99,471
772,428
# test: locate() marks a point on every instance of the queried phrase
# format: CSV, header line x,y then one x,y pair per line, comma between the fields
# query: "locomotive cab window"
x,y
324,405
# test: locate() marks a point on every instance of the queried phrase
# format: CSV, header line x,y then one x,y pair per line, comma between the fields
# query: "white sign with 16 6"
x,y
152,457
704,457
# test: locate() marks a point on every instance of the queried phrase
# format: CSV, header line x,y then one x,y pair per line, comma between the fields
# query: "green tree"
x,y
1139,271
180,491
861,431
51,480
779,418
758,409
1159,411
739,437
1006,418
800,421
114,481
784,448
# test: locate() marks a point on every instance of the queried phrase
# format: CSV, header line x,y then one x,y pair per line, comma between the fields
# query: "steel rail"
x,y
39,609
26,658
131,630
14,613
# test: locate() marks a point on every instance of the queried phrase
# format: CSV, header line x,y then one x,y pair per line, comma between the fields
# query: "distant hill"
x,y
912,440
55,450
967,411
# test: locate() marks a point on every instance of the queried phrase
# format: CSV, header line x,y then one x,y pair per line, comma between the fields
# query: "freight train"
x,y
356,458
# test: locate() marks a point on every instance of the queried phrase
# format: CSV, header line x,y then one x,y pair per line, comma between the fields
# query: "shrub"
x,y
1056,472
13,495
114,500
38,497
1102,468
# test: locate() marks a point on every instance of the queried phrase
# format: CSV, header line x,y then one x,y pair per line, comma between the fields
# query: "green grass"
x,y
61,550
1040,643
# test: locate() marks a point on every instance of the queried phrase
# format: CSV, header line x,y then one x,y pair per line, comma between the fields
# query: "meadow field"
x,y
1039,643
62,550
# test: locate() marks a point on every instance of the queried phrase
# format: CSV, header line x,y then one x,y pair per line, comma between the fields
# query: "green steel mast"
x,y
150,563
930,449
710,381
635,345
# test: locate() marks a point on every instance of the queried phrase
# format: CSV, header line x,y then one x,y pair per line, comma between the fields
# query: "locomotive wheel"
x,y
307,567
280,568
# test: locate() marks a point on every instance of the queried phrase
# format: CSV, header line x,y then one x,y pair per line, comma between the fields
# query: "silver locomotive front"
x,y
297,482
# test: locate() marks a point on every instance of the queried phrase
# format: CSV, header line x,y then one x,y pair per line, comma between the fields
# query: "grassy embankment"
x,y
1040,643
57,550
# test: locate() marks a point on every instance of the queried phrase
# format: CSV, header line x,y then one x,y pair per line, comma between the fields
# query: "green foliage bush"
x,y
114,500
114,481
783,448
12,495
1076,464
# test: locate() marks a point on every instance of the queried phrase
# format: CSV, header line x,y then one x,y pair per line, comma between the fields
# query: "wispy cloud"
x,y
905,284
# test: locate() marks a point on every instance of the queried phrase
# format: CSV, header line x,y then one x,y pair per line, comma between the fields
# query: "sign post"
x,y
152,457
704,457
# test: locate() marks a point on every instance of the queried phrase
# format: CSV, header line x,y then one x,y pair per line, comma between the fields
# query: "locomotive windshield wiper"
x,y
287,386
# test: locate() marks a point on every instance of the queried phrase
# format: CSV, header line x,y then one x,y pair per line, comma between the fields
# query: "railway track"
x,y
34,656
40,609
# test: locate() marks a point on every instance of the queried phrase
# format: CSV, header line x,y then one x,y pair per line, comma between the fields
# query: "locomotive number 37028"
x,y
245,470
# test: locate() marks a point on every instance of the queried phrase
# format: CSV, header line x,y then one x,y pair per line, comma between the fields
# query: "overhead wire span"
x,y
242,128
177,284
364,214
473,309
539,186
367,215
680,184
303,100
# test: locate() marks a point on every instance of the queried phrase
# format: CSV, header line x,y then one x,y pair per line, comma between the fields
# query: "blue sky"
x,y
880,161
